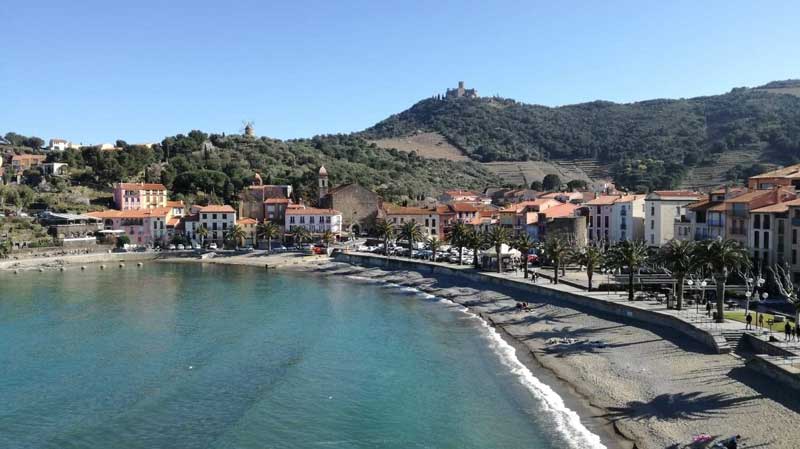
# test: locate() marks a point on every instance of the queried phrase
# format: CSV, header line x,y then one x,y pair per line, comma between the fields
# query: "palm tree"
x,y
268,230
434,244
631,254
237,235
385,230
457,234
412,232
328,237
592,257
474,240
556,249
722,257
497,237
681,259
202,232
301,235
524,244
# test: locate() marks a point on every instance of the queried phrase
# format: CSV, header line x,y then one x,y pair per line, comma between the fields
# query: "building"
x,y
58,145
616,218
322,182
139,195
663,208
249,226
64,225
562,218
55,168
218,220
315,220
782,177
461,92
22,162
428,219
523,217
178,208
359,206
147,227
462,196
253,199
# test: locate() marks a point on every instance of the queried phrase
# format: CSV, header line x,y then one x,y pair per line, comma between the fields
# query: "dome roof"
x,y
322,171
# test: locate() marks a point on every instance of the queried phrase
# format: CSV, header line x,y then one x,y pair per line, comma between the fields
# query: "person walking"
x,y
749,320
787,329
708,308
761,320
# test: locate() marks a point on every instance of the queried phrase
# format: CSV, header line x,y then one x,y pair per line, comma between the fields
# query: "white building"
x,y
316,221
428,219
58,145
616,218
663,208
217,220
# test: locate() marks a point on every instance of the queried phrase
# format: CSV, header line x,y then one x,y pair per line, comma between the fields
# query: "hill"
x,y
199,165
645,145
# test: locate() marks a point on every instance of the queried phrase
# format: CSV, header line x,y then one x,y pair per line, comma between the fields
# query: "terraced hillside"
x,y
524,173
712,175
429,145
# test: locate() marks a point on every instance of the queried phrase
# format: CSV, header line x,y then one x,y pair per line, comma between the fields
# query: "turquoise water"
x,y
190,356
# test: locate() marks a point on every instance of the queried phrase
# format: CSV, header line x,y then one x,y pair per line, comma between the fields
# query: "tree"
x,y
328,238
123,240
591,257
5,248
412,232
630,254
551,182
434,245
497,237
474,240
33,142
269,231
237,235
577,184
681,259
537,185
385,230
524,245
556,249
202,232
457,234
721,257
787,289
301,235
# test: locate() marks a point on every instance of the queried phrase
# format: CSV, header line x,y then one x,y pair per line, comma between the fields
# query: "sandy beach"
x,y
654,387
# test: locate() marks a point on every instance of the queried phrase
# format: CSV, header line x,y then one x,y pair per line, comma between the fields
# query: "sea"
x,y
211,356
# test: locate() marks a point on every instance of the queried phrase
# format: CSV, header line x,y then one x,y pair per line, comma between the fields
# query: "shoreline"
x,y
638,388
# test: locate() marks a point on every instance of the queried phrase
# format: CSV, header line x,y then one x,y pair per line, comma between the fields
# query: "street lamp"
x,y
690,282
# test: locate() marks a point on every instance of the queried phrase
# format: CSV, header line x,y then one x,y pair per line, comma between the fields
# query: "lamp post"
x,y
690,283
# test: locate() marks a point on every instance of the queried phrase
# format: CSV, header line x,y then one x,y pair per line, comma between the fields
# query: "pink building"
x,y
143,226
133,195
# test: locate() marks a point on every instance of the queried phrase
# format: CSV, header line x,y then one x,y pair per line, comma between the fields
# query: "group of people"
x,y
791,333
523,306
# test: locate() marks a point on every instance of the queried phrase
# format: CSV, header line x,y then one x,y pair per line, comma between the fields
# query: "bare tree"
x,y
787,289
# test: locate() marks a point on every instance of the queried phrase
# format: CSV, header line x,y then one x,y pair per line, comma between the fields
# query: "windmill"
x,y
248,128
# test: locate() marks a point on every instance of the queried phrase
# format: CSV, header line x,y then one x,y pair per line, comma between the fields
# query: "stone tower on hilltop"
x,y
461,92
322,182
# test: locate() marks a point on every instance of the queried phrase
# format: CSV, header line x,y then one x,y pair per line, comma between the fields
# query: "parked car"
x,y
181,247
212,246
171,247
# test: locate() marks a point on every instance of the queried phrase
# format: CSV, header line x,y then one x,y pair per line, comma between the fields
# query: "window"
x,y
214,226
311,219
652,224
606,221
598,221
224,216
224,226
623,211
756,221
766,240
755,239
291,220
426,223
652,239
652,210
794,236
302,219
205,216
433,222
794,258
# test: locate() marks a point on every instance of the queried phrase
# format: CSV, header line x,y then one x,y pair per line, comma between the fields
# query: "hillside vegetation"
x,y
648,144
216,167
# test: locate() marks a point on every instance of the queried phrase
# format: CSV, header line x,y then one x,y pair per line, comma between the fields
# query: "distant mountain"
x,y
647,144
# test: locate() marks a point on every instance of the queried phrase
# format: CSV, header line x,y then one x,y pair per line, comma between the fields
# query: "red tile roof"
x,y
277,201
132,213
175,204
311,211
603,200
140,186
400,210
684,193
463,207
247,221
224,208
562,210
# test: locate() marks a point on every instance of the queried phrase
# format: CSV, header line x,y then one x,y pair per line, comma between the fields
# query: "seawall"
x,y
715,344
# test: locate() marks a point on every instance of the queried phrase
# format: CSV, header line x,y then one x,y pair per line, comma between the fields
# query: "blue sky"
x,y
95,71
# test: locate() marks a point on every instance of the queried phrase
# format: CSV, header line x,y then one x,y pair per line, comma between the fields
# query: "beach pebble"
x,y
102,267
83,267
139,264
